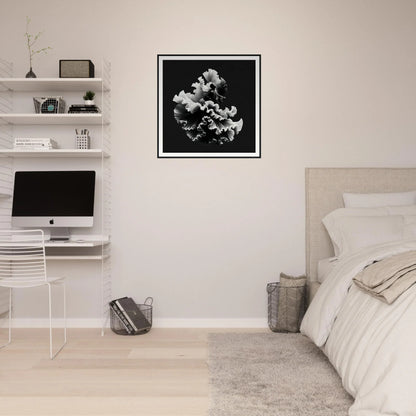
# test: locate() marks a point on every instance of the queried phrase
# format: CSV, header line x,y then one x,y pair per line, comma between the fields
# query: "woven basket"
x,y
286,303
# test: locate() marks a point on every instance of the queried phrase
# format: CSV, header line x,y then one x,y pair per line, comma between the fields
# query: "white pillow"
x,y
332,220
379,200
355,233
409,210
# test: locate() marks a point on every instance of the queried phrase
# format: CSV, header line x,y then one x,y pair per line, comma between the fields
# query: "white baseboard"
x,y
44,323
157,323
210,323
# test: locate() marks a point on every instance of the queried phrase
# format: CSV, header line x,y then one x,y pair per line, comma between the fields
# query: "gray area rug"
x,y
272,375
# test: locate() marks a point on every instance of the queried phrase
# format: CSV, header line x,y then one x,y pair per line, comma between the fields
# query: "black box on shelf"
x,y
76,68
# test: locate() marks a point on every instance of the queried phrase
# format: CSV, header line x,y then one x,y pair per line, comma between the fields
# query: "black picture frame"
x,y
208,106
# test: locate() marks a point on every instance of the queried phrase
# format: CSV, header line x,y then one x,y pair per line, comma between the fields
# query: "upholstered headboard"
x,y
324,189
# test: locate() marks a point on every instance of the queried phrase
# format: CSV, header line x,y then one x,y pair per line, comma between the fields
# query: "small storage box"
x,y
286,303
147,310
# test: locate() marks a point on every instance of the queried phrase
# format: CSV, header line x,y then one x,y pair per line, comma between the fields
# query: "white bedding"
x,y
325,267
371,344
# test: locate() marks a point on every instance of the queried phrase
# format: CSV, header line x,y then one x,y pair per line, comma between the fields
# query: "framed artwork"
x,y
208,106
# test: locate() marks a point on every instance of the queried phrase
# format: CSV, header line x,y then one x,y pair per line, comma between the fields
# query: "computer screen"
x,y
53,198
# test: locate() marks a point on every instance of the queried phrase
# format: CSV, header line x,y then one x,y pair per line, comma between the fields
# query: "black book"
x,y
133,314
83,110
121,317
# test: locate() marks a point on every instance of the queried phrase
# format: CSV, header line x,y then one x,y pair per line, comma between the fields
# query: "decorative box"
x,y
76,68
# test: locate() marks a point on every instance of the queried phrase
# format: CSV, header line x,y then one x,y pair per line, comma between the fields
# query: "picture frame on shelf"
x,y
209,106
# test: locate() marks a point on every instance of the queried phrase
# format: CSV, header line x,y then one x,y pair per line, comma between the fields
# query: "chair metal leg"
x,y
64,303
10,315
9,319
51,354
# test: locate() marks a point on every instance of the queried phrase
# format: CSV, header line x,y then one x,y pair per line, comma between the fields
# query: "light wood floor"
x,y
161,373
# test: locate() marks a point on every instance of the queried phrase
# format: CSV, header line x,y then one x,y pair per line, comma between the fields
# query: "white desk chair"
x,y
23,265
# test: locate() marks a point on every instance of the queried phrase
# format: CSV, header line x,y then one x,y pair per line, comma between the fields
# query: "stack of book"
x,y
82,108
30,144
130,316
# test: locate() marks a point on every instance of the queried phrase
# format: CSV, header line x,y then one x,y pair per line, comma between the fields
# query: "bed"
x,y
371,344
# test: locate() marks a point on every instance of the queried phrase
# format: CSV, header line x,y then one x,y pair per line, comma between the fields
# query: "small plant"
x,y
31,40
89,96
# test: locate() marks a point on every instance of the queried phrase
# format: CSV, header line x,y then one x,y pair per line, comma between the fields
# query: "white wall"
x,y
202,236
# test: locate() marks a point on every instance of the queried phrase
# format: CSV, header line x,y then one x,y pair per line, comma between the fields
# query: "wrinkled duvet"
x,y
371,344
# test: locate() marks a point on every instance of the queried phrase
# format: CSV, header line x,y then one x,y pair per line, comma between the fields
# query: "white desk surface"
x,y
74,243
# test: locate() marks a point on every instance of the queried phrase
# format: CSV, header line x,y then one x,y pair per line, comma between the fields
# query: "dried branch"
x,y
30,40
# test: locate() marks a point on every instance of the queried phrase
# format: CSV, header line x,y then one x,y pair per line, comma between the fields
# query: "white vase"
x,y
89,102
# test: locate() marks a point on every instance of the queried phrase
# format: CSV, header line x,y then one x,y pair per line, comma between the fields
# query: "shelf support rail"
x,y
106,192
6,168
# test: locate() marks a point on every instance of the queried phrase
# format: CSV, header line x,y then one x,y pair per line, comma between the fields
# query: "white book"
x,y
27,146
30,141
33,141
29,149
34,144
33,148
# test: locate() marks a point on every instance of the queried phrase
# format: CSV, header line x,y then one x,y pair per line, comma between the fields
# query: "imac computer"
x,y
54,200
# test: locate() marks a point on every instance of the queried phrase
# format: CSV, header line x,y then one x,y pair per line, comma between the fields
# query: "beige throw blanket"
x,y
389,278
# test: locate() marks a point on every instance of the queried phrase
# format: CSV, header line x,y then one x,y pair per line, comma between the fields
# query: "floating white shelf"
x,y
66,244
52,84
81,257
63,119
87,153
69,244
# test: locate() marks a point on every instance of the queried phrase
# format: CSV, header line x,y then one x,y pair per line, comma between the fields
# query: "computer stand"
x,y
59,234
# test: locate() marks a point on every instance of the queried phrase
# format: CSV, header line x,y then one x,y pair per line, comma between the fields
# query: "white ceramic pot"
x,y
89,102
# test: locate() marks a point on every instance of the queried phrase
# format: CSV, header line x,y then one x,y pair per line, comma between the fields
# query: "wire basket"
x,y
145,308
49,105
286,305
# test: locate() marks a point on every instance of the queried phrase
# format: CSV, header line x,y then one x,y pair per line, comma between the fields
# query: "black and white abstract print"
x,y
200,114
209,106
